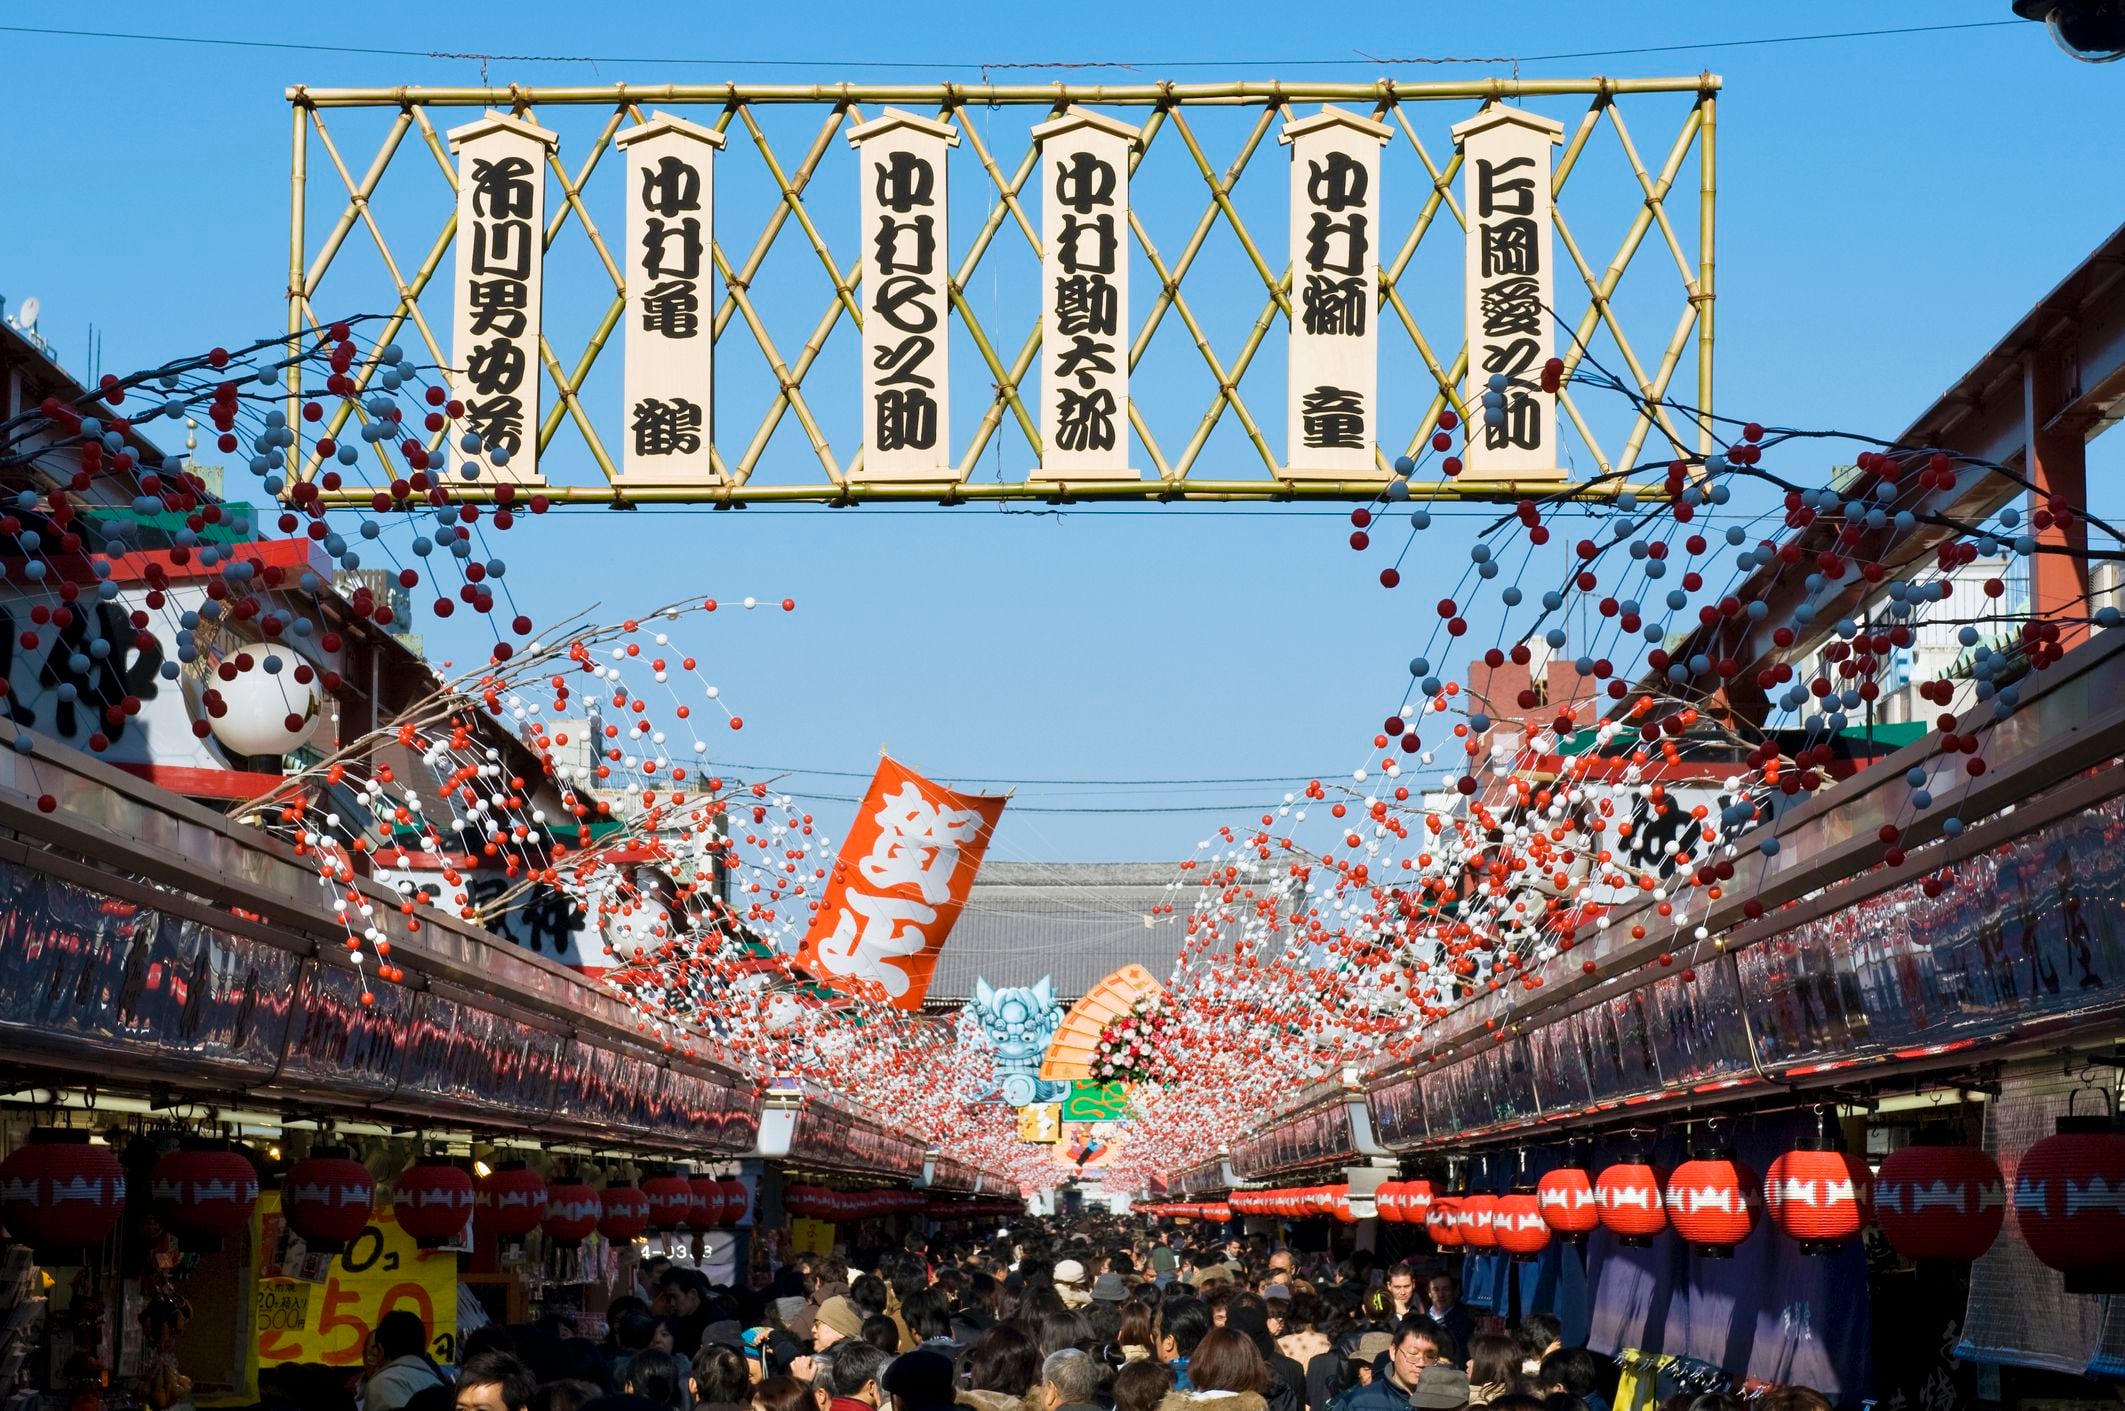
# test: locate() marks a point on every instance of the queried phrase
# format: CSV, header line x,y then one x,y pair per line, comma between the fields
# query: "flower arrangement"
x,y
1132,1046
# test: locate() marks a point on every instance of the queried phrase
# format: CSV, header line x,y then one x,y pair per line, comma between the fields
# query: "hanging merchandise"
x,y
1940,1202
61,1194
326,1199
433,1201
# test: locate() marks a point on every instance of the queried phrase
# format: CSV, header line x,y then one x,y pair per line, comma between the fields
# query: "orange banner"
x,y
902,877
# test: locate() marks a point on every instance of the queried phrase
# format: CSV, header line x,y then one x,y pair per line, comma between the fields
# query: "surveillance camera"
x,y
2092,31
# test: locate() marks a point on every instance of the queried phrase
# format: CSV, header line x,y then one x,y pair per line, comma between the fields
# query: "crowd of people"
x,y
1092,1314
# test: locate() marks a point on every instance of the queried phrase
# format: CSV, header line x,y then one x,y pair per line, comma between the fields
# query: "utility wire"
x,y
1356,57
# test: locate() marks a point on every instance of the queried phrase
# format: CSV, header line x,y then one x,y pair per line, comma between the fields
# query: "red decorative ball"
x,y
1713,1202
671,1200
1820,1198
572,1212
737,1201
1940,1202
625,1213
2066,1200
432,1201
1566,1198
1627,1195
61,1192
1478,1215
204,1192
326,1198
1518,1226
511,1202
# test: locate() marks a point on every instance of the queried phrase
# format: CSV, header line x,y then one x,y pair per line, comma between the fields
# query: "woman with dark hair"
x,y
1134,1336
722,1382
1493,1368
1065,1328
1226,1373
782,1394
1001,1371
1141,1386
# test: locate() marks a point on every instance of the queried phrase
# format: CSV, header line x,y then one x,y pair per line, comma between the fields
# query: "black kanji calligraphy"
x,y
666,427
909,245
1333,418
904,417
1334,305
1084,359
1510,247
498,306
1338,245
1087,247
501,188
904,301
503,248
1084,182
671,250
672,309
671,187
1512,197
902,362
1084,421
497,421
495,367
1521,426
1086,303
1511,307
905,181
1338,184
1511,359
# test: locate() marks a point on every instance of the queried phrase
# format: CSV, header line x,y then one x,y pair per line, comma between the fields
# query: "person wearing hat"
x,y
837,1319
1070,1282
1109,1288
919,1381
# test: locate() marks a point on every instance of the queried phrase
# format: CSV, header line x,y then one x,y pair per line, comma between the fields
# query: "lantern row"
x,y
60,1192
1336,240
1930,1202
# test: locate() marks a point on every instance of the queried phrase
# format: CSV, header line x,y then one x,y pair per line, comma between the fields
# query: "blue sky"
x,y
1887,207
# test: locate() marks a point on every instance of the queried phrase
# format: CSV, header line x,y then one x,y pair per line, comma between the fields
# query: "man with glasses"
x,y
1419,1378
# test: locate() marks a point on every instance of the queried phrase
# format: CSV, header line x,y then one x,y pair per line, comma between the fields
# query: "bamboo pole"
x,y
1378,91
1708,104
298,162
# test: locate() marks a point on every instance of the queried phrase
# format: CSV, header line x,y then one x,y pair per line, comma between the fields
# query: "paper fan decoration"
x,y
1076,1041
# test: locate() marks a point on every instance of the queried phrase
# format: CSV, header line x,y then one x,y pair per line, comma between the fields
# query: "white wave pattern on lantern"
x,y
262,706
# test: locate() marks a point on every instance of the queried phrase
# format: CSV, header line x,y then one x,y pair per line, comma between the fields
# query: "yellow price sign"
x,y
330,1322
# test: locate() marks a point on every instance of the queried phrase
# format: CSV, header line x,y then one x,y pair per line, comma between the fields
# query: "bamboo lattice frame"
x,y
1172,472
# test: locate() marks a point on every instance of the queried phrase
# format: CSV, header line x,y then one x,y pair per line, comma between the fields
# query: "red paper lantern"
x,y
1567,1201
573,1210
625,1213
737,1201
203,1193
326,1198
1627,1196
511,1202
2069,1199
1940,1202
1819,1198
1416,1201
1477,1214
670,1199
1713,1199
704,1206
1387,1200
433,1200
1443,1222
1517,1224
60,1192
